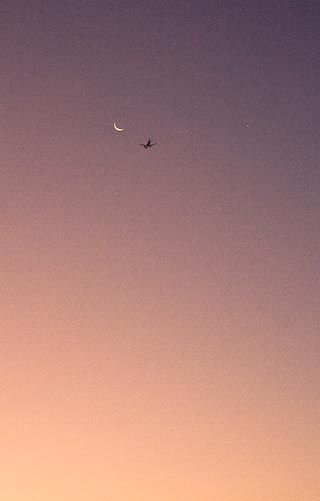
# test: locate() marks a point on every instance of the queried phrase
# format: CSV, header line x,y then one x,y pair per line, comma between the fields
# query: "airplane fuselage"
x,y
148,144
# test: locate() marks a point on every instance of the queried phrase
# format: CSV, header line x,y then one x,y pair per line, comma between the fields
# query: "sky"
x,y
159,309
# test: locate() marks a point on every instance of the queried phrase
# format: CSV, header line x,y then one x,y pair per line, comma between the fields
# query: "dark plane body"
x,y
148,144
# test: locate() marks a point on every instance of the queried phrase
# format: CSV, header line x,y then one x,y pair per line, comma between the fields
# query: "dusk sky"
x,y
160,308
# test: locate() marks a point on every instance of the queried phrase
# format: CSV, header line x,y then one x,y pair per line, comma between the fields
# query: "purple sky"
x,y
159,309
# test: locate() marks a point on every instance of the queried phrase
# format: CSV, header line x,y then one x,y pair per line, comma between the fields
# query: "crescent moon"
x,y
117,128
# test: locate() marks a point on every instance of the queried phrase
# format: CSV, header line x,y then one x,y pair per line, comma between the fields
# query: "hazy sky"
x,y
159,309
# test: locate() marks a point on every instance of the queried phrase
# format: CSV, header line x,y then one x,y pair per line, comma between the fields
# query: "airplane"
x,y
148,144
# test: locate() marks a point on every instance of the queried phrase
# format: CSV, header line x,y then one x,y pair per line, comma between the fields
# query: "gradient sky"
x,y
159,309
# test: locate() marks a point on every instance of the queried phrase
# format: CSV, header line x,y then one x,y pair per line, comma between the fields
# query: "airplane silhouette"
x,y
148,144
